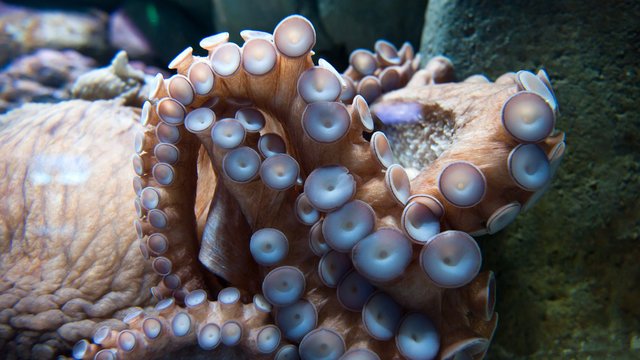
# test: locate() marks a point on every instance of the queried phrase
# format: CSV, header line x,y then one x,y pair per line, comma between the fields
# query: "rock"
x,y
567,271
24,30
358,24
44,76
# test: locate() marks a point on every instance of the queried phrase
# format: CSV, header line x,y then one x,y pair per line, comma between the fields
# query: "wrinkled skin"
x,y
68,257
71,262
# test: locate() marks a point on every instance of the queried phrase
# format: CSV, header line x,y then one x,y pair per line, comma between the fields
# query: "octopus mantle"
x,y
271,219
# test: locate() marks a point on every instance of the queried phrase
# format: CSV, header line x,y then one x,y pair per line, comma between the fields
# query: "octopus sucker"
x,y
282,209
353,251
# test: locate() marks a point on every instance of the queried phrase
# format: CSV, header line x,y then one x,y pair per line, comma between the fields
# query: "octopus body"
x,y
319,241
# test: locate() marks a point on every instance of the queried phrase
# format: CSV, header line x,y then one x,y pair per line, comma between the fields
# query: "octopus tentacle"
x,y
360,252
169,326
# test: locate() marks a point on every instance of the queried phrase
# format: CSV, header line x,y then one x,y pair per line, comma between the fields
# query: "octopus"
x,y
274,213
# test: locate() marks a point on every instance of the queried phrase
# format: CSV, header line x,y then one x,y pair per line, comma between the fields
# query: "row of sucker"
x,y
271,122
168,326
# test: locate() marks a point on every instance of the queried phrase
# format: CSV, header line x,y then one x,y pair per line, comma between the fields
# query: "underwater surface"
x,y
567,274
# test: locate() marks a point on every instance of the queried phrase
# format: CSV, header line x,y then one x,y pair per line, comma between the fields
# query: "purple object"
x,y
398,112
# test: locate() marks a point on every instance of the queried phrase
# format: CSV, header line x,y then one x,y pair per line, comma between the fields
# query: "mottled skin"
x,y
68,257
70,260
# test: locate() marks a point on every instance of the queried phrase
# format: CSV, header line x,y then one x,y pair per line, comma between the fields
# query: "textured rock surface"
x,y
24,30
44,76
568,279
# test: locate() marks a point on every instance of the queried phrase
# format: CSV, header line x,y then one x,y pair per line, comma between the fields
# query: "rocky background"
x,y
568,271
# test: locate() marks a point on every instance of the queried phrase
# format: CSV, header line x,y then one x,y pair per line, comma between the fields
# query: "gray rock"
x,y
358,24
23,30
567,271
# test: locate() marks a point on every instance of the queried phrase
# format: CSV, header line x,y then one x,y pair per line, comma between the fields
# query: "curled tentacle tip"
x,y
343,228
322,344
527,117
451,259
329,187
529,166
462,184
417,338
294,36
279,171
283,285
297,319
383,255
268,246
380,316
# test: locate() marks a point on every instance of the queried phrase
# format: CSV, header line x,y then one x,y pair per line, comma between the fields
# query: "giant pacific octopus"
x,y
272,217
